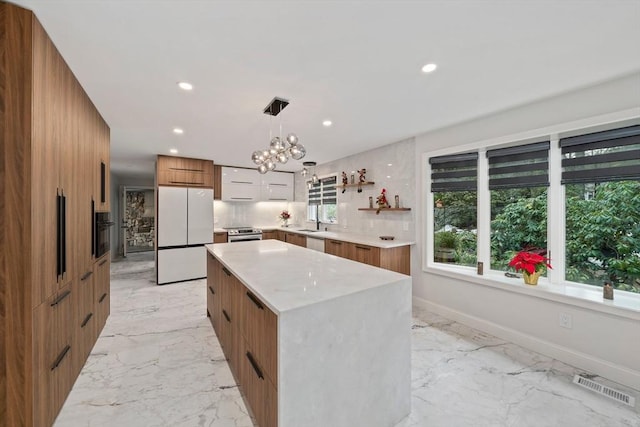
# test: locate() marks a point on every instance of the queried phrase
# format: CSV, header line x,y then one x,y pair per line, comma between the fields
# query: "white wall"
x,y
252,214
604,344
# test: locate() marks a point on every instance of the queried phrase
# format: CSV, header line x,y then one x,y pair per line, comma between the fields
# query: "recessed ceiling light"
x,y
173,151
327,123
389,164
429,68
185,85
178,131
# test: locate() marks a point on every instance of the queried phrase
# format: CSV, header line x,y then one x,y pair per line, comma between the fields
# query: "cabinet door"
x,y
84,319
260,329
241,193
220,237
102,294
260,393
103,180
172,216
199,216
277,193
336,247
176,265
365,254
281,235
214,292
240,176
269,234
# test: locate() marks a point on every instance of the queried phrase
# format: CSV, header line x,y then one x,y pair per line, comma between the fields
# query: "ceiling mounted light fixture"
x,y
185,85
280,149
178,131
305,172
429,68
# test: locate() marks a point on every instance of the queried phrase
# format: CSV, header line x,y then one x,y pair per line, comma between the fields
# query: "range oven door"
x,y
231,238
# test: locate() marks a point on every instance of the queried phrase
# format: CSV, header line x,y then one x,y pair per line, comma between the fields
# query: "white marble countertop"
x,y
362,239
287,277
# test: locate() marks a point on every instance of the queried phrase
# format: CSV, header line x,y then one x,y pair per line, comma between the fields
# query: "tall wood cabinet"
x,y
52,179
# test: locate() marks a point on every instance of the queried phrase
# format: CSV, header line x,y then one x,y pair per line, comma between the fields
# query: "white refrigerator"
x,y
185,225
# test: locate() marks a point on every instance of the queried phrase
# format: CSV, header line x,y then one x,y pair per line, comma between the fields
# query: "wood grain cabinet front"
x,y
296,239
260,330
269,234
102,295
220,237
84,327
184,172
365,254
53,344
336,247
259,391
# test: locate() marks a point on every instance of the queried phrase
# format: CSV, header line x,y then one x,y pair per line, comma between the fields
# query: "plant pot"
x,y
445,255
531,279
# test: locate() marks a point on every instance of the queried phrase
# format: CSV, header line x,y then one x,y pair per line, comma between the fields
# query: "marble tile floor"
x,y
158,363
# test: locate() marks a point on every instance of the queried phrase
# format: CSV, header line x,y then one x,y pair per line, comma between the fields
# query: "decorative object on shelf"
x,y
397,199
362,179
370,201
284,217
353,177
280,149
382,201
532,265
345,181
607,291
387,237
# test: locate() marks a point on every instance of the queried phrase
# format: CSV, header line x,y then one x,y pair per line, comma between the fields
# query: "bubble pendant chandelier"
x,y
280,149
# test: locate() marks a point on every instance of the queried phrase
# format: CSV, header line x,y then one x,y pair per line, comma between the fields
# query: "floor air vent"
x,y
604,390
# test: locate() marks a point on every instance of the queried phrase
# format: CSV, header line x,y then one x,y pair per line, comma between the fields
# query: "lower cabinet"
x,y
247,332
336,247
102,296
269,234
396,259
296,239
85,318
220,237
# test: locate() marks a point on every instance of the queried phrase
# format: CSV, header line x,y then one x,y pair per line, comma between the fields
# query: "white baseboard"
x,y
591,364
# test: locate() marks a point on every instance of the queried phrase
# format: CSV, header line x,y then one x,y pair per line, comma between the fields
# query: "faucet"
x,y
318,217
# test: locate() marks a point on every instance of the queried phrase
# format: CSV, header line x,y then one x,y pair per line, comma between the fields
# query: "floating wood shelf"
x,y
356,184
384,209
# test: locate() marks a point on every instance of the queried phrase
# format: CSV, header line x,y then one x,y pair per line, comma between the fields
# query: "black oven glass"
x,y
102,231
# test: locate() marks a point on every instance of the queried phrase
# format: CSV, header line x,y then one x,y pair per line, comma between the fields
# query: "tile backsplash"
x,y
391,167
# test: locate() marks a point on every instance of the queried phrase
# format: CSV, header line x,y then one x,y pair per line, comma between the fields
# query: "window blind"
x,y
518,167
323,192
612,155
457,172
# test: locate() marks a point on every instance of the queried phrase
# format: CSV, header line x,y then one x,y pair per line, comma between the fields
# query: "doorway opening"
x,y
138,219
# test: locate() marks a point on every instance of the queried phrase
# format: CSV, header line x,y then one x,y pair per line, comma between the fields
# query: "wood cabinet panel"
x,y
102,294
396,259
258,389
281,235
260,329
336,247
185,172
296,239
214,292
217,182
220,237
84,319
365,254
269,234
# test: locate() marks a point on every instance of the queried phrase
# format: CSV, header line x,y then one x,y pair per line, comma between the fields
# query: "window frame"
x,y
308,206
554,286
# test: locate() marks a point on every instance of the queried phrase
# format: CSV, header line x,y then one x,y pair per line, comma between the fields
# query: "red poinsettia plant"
x,y
284,215
529,262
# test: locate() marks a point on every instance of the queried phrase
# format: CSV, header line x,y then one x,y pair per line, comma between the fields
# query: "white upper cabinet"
x,y
277,186
247,185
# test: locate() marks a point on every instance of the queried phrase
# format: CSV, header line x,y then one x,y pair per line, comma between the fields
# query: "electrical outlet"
x,y
565,320
405,225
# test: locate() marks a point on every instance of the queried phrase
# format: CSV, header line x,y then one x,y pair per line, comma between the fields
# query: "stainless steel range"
x,y
243,234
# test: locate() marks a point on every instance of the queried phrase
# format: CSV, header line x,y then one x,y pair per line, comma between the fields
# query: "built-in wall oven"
x,y
101,233
243,234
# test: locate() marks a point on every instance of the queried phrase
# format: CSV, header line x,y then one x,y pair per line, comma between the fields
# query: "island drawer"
x,y
257,388
259,326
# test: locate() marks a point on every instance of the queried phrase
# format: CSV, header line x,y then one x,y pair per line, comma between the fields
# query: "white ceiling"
x,y
354,62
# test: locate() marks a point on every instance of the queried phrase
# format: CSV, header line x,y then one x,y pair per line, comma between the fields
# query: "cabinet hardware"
x,y
93,228
226,316
64,232
241,182
212,291
103,183
86,275
186,169
58,234
86,320
271,198
61,356
363,248
279,185
102,297
227,272
241,198
335,243
255,300
60,298
101,263
186,182
255,366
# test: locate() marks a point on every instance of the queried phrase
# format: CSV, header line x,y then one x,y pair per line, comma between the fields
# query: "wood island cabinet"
x,y
247,331
55,174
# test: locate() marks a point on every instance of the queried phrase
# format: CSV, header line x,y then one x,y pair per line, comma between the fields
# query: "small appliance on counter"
x,y
243,234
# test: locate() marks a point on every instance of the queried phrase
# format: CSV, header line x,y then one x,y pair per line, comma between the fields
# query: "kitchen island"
x,y
312,339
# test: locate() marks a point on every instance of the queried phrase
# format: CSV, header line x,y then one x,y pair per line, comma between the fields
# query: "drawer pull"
x,y
187,169
278,185
60,298
226,316
255,366
241,198
241,182
364,248
186,182
212,291
103,262
335,243
102,297
60,357
86,275
86,320
227,272
255,300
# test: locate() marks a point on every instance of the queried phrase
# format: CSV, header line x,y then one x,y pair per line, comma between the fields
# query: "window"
x,y
323,200
453,184
601,175
518,181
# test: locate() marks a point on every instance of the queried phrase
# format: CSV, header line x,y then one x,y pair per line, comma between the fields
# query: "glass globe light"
x,y
297,152
292,139
262,169
257,157
282,157
270,165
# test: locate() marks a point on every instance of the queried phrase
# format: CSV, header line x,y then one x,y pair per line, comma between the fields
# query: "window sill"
x,y
624,304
